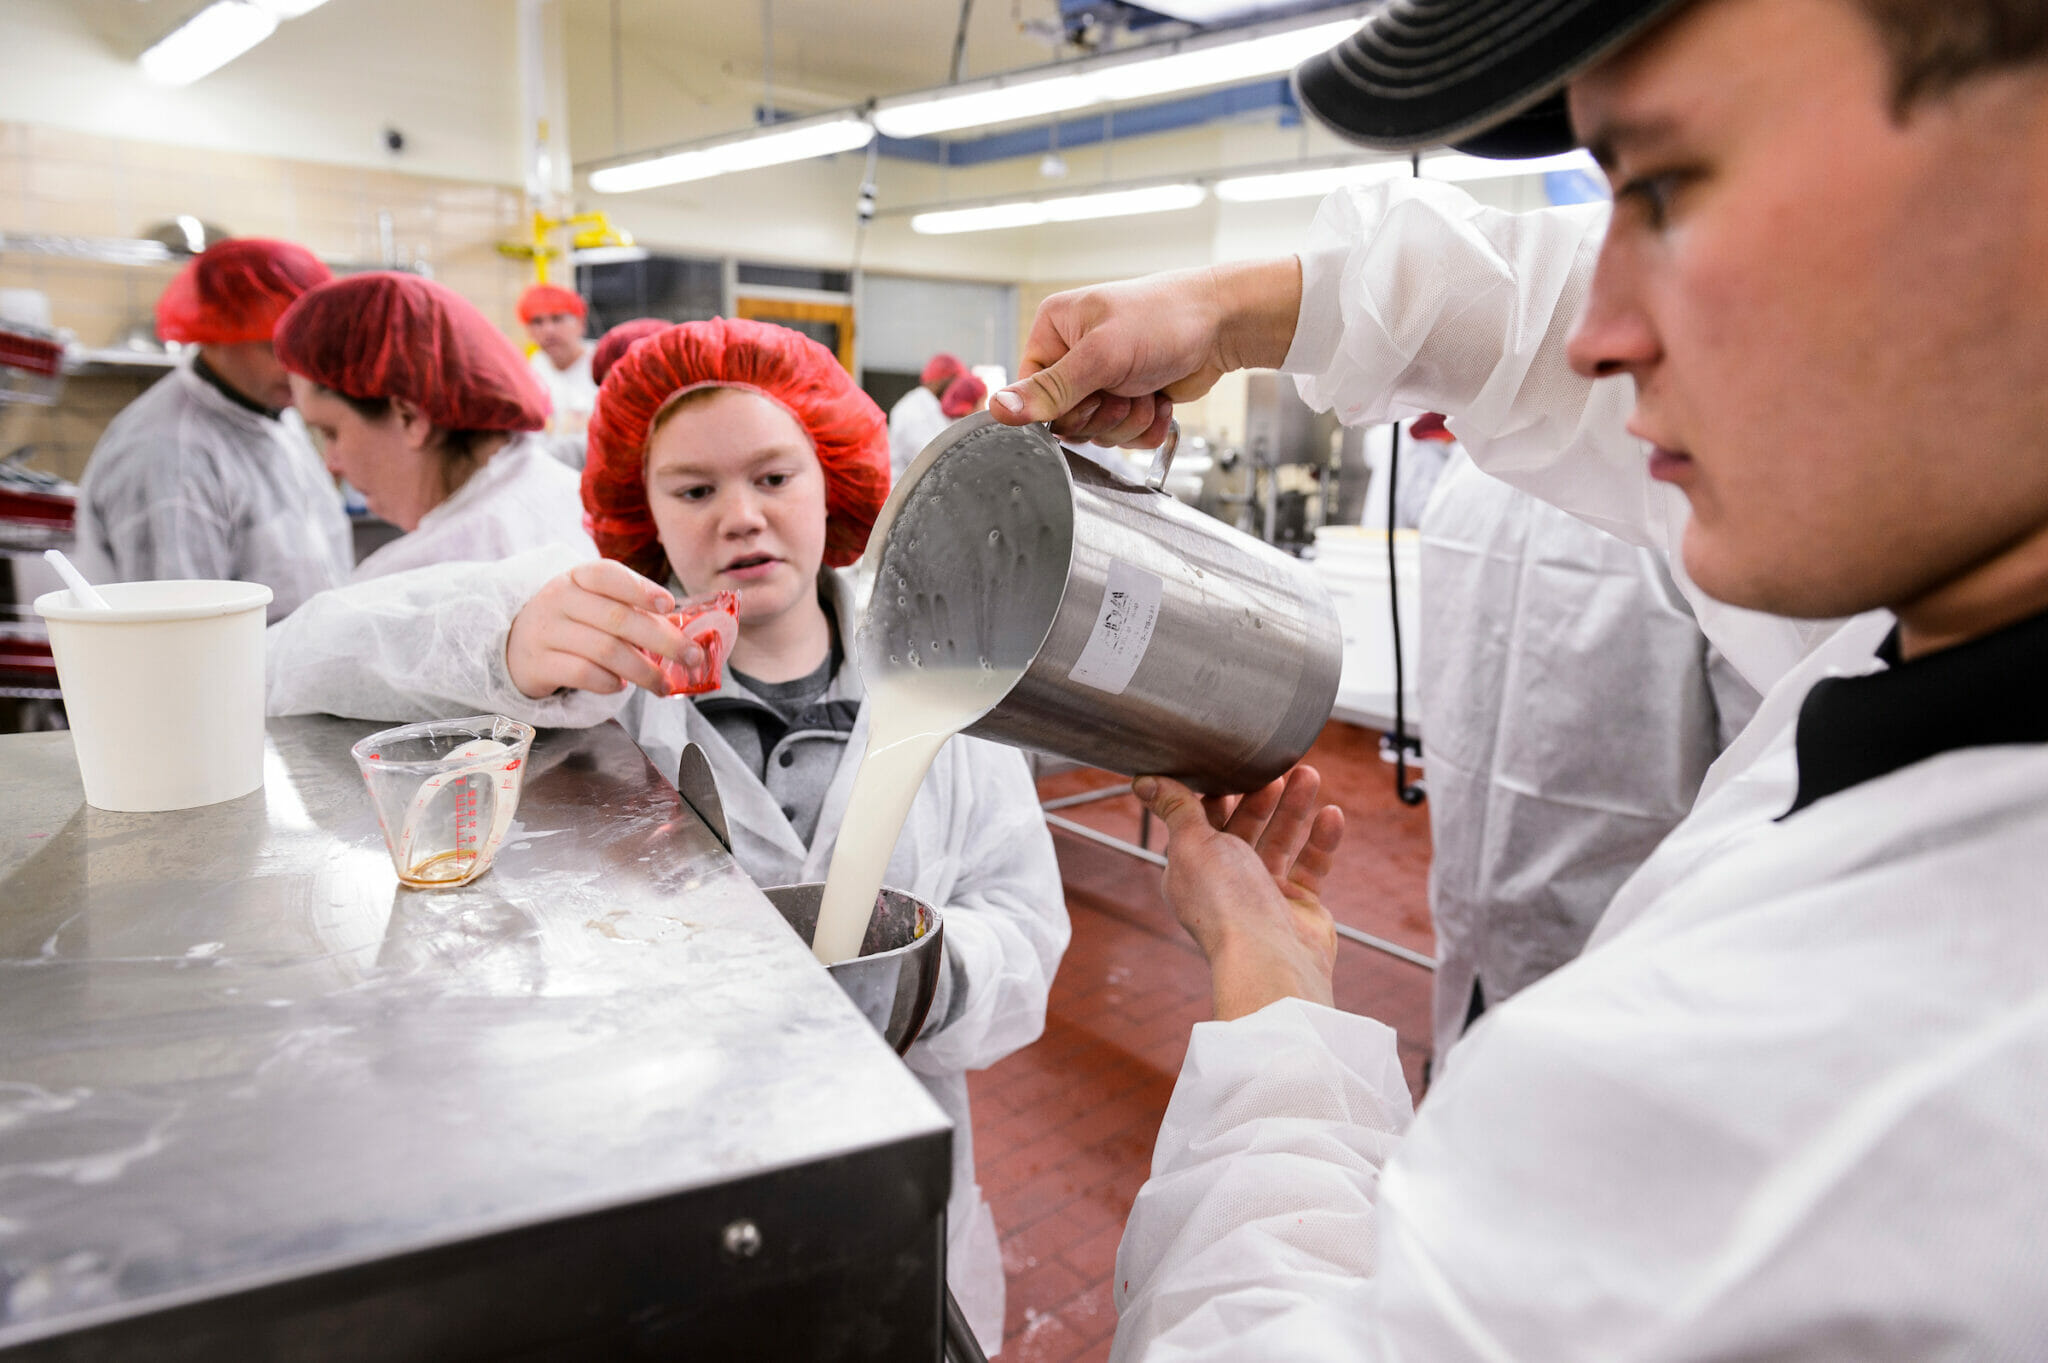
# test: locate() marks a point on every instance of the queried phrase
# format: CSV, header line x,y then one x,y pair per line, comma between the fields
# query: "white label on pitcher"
x,y
1123,629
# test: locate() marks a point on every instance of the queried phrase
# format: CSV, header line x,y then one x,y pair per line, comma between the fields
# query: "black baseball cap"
x,y
1485,76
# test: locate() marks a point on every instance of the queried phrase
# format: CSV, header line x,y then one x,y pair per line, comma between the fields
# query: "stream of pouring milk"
x,y
911,714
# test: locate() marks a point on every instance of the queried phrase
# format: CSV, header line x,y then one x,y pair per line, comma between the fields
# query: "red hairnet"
x,y
235,291
386,335
963,395
618,341
849,433
545,300
1430,426
941,367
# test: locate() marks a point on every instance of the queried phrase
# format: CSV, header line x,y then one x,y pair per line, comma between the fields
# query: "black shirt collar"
x,y
1972,695
232,394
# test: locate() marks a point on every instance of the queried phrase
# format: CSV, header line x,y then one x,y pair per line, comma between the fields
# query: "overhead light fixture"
x,y
772,146
994,104
207,41
1303,184
1226,63
1141,73
1115,203
291,9
1457,166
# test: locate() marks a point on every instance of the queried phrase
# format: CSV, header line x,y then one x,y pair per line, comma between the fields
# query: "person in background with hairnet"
x,y
613,345
736,455
427,410
917,415
554,318
1425,454
1574,708
1788,1103
208,475
963,395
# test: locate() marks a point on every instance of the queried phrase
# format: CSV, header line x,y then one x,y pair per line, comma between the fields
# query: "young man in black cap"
x,y
1793,1101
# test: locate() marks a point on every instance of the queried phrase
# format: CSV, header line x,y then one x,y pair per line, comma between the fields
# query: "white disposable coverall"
x,y
1574,707
572,391
520,499
975,843
914,422
1789,1103
185,482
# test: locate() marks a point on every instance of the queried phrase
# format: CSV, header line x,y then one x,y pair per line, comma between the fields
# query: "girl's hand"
x,y
586,629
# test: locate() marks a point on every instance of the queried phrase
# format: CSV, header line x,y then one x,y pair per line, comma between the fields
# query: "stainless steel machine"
x,y
258,1101
1297,470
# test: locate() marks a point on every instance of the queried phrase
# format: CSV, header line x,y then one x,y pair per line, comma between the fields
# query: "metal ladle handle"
x,y
1162,458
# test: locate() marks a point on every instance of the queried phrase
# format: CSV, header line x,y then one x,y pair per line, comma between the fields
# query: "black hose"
x,y
1411,792
961,1345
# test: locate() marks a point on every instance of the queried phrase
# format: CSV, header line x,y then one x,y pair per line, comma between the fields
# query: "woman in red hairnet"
x,y
735,455
430,413
203,475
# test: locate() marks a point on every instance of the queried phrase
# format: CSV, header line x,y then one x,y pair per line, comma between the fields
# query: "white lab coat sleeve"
x,y
427,643
1255,1235
1005,918
1417,298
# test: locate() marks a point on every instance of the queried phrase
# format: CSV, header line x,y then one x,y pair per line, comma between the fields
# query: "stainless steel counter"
x,y
257,1100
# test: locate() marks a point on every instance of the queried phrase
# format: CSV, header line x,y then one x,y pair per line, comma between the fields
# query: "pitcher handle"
x,y
1162,458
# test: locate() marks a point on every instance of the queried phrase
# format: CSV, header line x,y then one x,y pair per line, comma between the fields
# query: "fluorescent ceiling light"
x,y
1304,184
999,104
1123,203
1225,63
1454,165
987,217
749,151
207,41
1188,64
1116,203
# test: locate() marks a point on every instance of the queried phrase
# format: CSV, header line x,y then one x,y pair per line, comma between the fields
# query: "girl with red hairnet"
x,y
739,455
430,413
205,475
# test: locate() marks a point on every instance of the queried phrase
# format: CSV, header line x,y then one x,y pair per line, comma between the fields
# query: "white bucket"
x,y
164,692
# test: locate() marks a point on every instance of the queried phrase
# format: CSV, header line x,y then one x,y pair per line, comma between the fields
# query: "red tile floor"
x,y
1063,1130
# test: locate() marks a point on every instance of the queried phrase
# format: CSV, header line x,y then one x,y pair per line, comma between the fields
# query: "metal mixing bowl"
x,y
892,979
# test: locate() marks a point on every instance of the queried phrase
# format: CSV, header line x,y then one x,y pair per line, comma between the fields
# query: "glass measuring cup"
x,y
712,622
445,792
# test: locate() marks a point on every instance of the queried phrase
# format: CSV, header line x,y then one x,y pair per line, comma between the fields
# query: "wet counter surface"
x,y
236,1057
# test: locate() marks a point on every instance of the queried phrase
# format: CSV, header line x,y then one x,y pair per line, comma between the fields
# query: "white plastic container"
x,y
164,692
1352,562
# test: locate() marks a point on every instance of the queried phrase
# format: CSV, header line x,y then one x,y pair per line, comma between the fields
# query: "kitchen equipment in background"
x,y
1151,638
164,691
1302,470
36,514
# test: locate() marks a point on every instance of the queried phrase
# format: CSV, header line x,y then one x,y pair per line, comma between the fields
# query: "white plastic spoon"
x,y
81,591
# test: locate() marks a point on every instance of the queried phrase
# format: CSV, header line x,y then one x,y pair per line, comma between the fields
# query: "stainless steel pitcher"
x,y
1151,638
